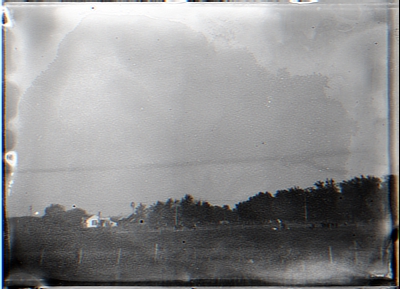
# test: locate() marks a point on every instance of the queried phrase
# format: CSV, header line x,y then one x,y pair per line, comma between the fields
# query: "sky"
x,y
109,104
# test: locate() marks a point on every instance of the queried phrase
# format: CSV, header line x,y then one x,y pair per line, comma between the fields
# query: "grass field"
x,y
296,256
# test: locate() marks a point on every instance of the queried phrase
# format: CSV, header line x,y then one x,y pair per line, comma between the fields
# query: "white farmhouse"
x,y
92,222
95,221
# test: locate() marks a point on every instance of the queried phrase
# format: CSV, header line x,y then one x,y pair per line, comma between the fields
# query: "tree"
x,y
54,211
156,215
322,202
187,212
362,199
75,217
258,208
207,212
54,217
140,213
290,204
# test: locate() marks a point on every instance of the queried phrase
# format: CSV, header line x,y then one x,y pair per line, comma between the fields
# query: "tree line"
x,y
360,199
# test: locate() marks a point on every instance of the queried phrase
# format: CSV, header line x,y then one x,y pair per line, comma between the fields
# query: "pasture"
x,y
299,256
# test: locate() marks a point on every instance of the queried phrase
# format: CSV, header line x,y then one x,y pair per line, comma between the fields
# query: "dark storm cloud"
x,y
148,108
198,104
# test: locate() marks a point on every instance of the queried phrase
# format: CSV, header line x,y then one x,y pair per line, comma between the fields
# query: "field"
x,y
298,256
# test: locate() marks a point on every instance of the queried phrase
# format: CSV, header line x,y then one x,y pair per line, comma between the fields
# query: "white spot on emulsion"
x,y
6,18
11,158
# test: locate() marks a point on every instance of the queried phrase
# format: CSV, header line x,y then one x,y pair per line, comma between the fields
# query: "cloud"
x,y
150,107
202,105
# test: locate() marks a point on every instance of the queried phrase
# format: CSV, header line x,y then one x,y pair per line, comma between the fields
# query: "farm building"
x,y
95,221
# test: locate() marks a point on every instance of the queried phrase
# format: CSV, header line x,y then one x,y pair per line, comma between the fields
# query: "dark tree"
x,y
322,202
207,212
74,218
140,213
362,199
54,211
290,205
258,208
156,215
187,213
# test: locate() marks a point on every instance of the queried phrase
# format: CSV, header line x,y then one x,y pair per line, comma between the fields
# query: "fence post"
x,y
155,252
355,253
119,256
41,257
80,256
